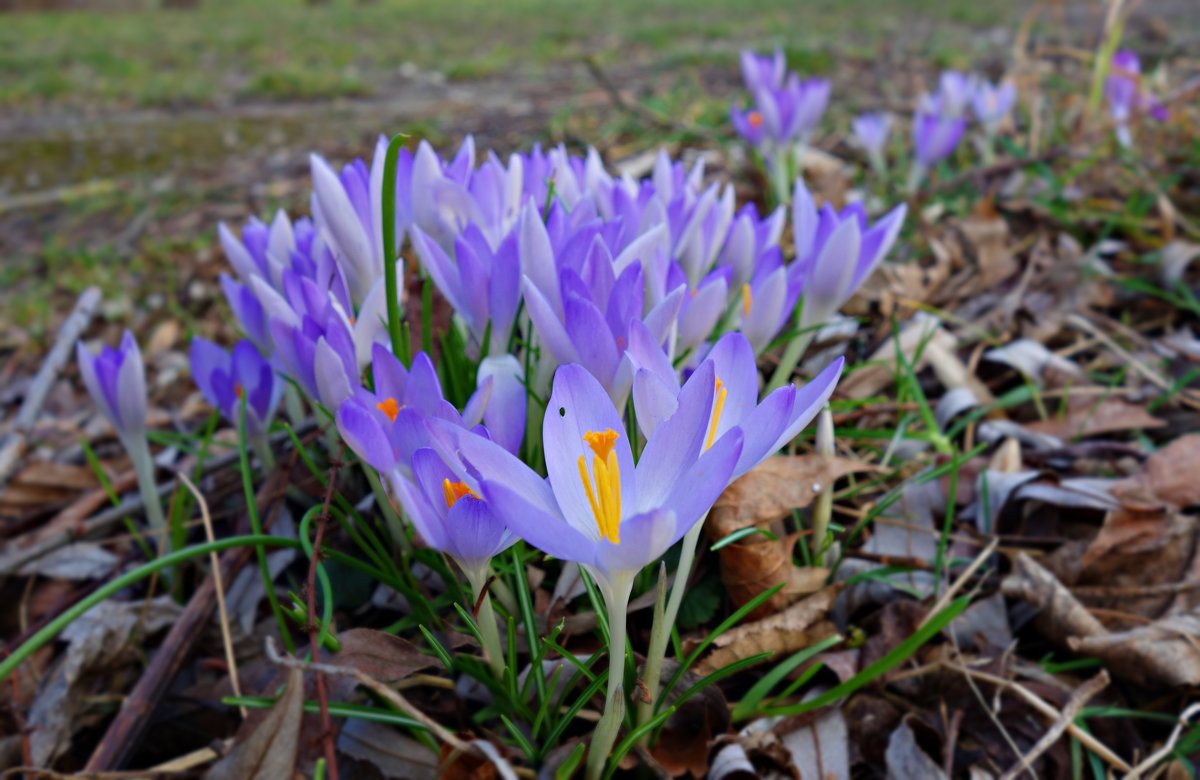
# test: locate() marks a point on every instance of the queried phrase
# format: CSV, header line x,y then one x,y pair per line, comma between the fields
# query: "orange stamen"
x,y
389,407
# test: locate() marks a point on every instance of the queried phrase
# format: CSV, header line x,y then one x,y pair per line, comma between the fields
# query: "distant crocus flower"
x,y
954,93
226,377
871,134
934,137
992,103
837,251
116,380
783,113
1126,97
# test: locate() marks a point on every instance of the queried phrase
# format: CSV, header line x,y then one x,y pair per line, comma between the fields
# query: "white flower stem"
x,y
616,597
878,164
661,632
143,465
823,508
292,404
486,620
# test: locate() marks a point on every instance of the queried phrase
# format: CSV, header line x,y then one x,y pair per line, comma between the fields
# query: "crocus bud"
x,y
116,380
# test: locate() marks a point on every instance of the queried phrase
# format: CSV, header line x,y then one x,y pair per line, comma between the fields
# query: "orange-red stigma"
x,y
453,491
389,407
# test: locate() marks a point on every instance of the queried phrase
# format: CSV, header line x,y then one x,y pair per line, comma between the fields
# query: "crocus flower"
x,y
934,137
482,285
953,95
836,252
582,300
992,103
1125,95
871,134
784,111
447,511
502,394
765,426
116,381
748,239
597,508
226,377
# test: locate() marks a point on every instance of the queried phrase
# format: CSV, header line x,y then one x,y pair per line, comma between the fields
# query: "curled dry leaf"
x,y
683,743
268,749
800,625
907,761
820,747
394,755
761,499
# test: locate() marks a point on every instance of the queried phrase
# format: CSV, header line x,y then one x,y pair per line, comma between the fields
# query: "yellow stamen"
x,y
718,405
389,407
456,490
747,300
604,497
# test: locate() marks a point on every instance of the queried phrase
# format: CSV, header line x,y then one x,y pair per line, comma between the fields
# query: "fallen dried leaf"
x,y
800,625
1169,475
756,563
268,749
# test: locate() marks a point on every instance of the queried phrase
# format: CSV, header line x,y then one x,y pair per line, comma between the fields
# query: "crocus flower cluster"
x,y
1127,97
784,111
630,310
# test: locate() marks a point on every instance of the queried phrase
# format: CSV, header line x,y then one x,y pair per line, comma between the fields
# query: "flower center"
x,y
238,390
755,119
718,405
389,407
747,299
456,490
603,485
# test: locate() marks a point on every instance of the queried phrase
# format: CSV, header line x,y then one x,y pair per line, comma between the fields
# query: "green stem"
x,y
256,527
262,448
486,620
395,525
54,627
790,359
391,284
661,632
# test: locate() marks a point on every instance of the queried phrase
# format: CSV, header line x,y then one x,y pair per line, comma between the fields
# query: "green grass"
x,y
248,50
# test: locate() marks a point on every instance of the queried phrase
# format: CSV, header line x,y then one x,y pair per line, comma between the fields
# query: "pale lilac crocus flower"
x,y
871,135
116,381
1126,97
597,507
934,137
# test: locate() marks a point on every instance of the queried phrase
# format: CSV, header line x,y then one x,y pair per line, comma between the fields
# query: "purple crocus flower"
x,y
763,71
482,285
765,426
116,381
1126,97
445,507
385,427
582,300
871,134
836,252
502,394
953,95
934,137
748,239
225,377
992,103
597,507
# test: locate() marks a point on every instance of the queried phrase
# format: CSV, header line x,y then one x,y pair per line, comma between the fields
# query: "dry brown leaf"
x,y
762,497
1089,418
385,657
819,747
795,628
1167,476
683,743
879,370
268,749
